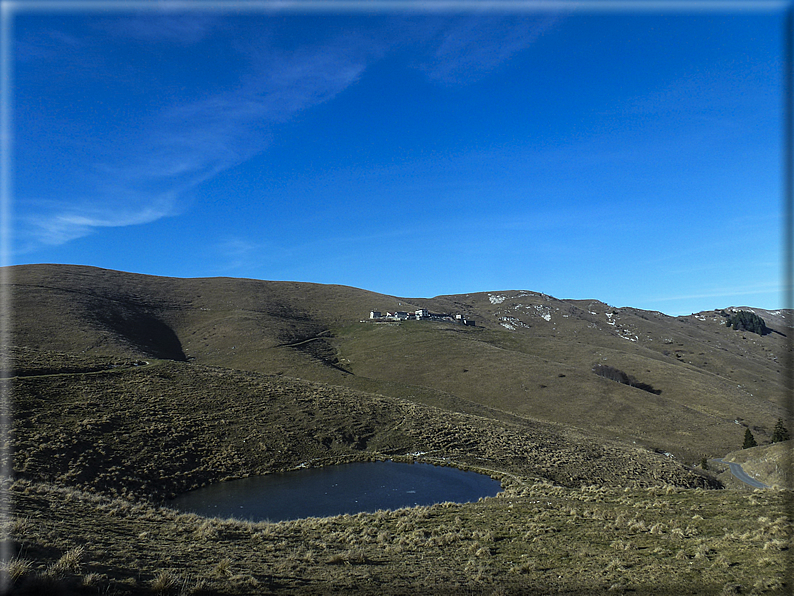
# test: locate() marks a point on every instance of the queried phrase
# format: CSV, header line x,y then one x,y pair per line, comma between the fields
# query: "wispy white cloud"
x,y
69,223
469,48
736,292
181,28
44,44
188,143
170,151
185,144
238,253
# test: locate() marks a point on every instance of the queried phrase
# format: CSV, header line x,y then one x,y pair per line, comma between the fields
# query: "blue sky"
x,y
630,156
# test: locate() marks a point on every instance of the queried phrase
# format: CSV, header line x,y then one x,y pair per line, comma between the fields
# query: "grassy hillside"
x,y
130,389
157,430
101,445
530,355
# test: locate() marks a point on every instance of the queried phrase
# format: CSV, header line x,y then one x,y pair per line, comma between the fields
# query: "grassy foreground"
x,y
535,538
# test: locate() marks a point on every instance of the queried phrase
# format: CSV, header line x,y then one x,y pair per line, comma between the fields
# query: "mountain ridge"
x,y
530,354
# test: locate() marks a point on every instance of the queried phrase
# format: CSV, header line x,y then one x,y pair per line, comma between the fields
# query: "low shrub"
x,y
747,321
614,374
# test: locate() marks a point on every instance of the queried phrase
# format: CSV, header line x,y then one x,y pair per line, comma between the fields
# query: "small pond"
x,y
334,490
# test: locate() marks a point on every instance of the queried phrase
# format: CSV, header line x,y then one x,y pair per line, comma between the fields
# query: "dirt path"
x,y
82,371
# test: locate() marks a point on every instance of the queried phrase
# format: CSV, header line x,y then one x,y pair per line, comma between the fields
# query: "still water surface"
x,y
334,490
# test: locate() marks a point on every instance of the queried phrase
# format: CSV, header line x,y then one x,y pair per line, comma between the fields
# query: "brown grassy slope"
x,y
530,354
552,379
71,308
536,354
158,430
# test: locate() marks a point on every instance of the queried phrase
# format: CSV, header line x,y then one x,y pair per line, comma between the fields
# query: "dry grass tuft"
x,y
17,568
348,558
71,560
164,582
223,568
20,526
92,580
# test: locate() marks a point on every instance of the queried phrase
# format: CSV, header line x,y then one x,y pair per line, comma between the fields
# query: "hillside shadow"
x,y
614,374
143,330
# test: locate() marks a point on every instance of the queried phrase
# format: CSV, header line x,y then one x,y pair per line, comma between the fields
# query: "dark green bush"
x,y
614,374
747,321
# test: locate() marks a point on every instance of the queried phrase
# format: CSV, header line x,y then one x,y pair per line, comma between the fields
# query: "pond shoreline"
x,y
327,491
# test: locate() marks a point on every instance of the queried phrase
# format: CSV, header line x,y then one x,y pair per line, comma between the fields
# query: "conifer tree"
x,y
781,432
749,439
747,321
